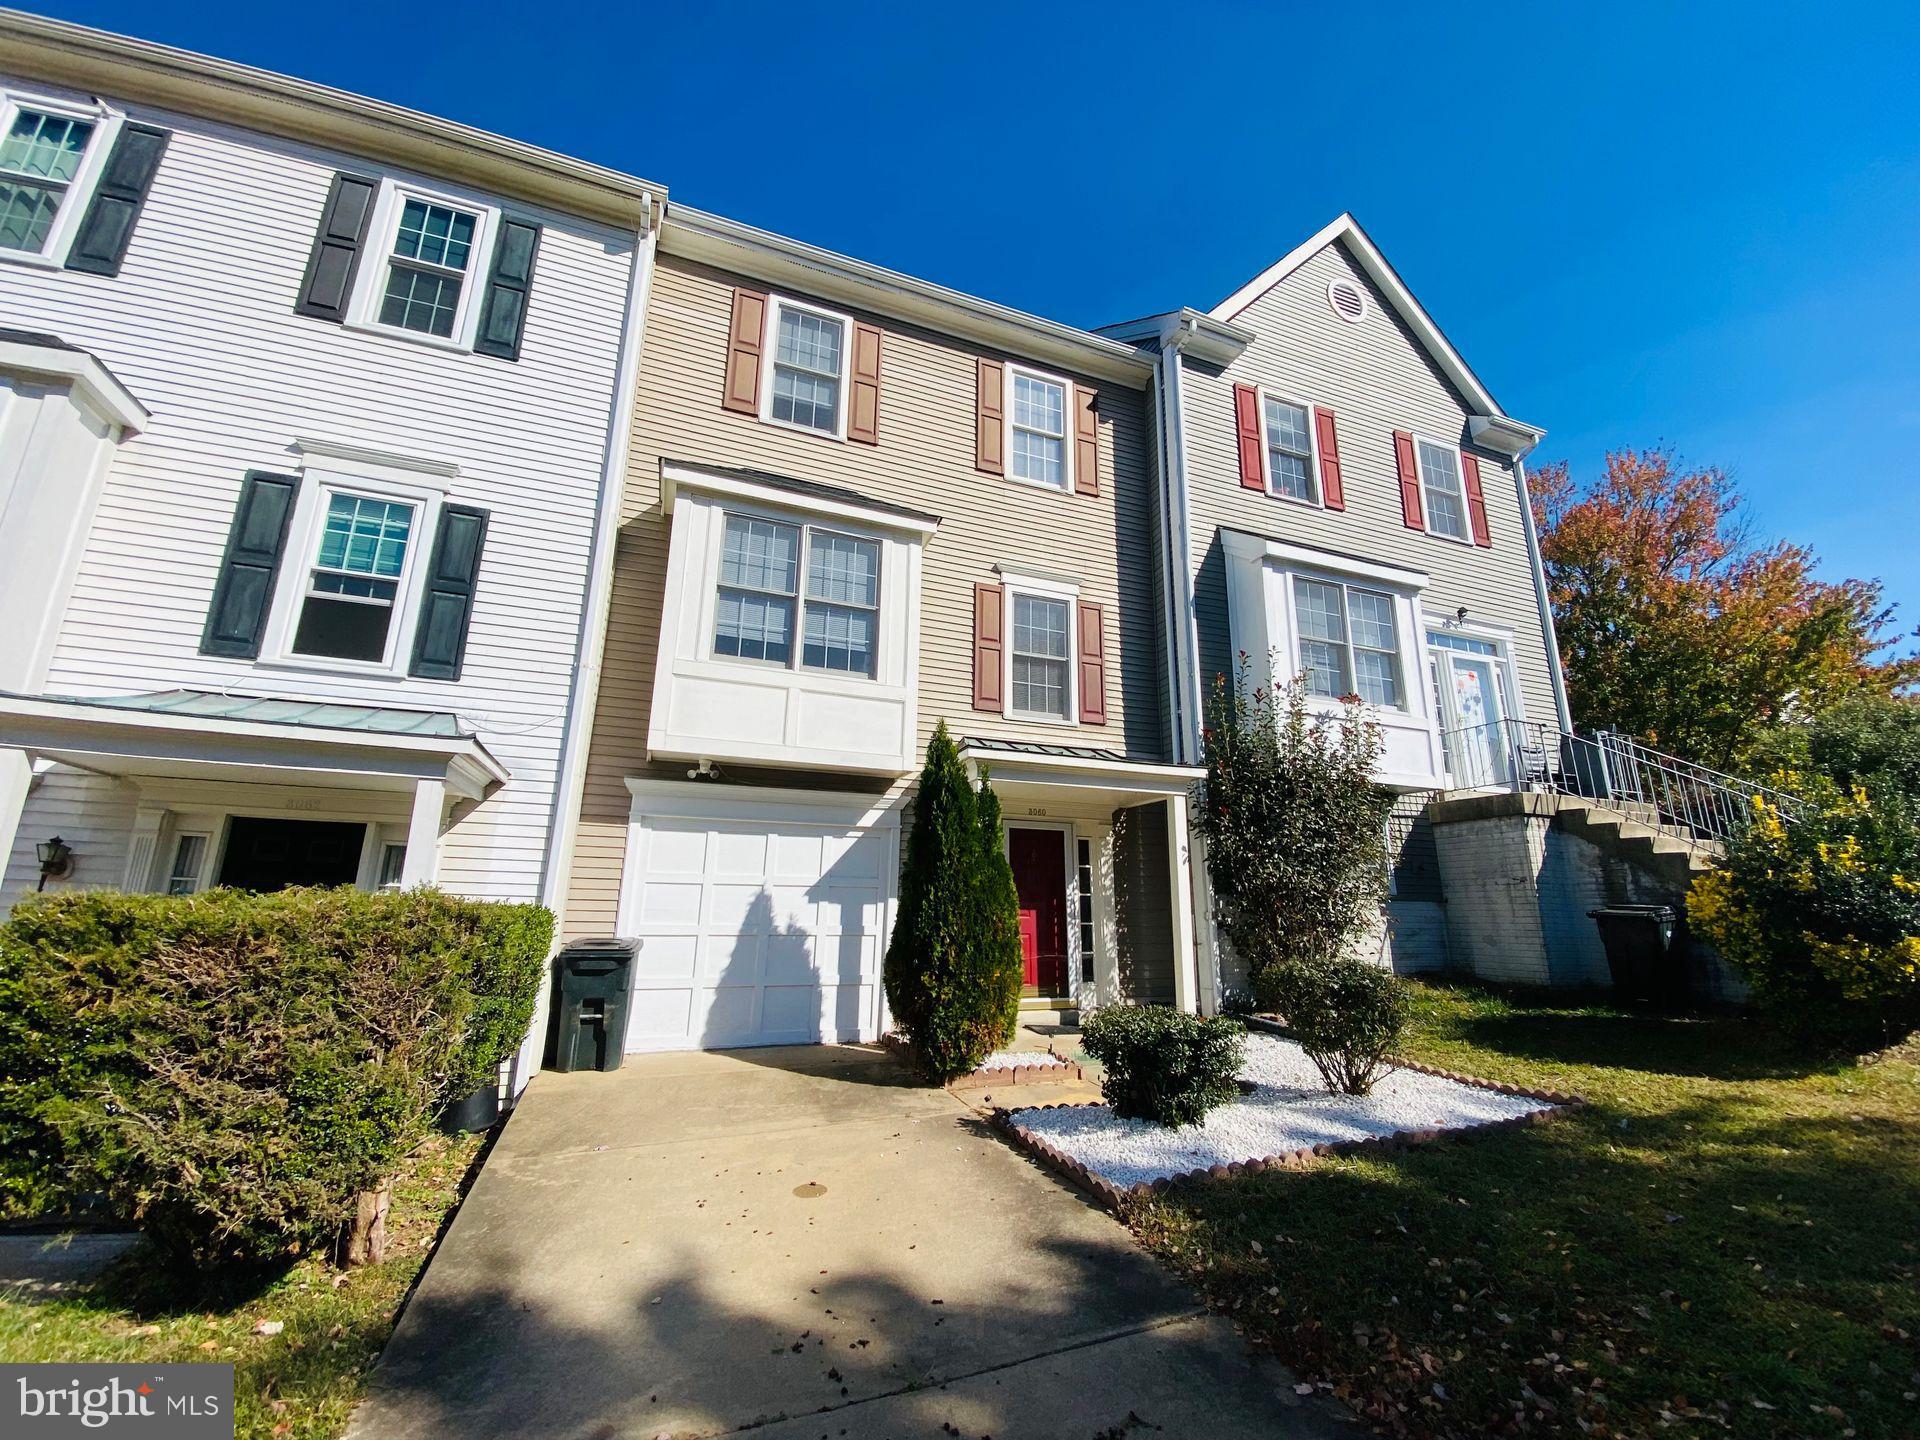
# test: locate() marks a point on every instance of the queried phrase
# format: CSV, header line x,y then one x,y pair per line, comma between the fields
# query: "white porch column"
x,y
1106,932
1186,969
1208,932
422,865
16,775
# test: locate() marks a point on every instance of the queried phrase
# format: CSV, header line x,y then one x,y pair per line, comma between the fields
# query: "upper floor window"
x,y
761,604
1290,451
1042,656
1349,641
1440,482
1037,430
427,269
40,160
347,608
809,368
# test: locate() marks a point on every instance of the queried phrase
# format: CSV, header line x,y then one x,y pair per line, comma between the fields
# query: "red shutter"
x,y
863,412
744,341
989,643
1476,500
1093,666
1086,443
1331,493
1411,509
990,413
1253,450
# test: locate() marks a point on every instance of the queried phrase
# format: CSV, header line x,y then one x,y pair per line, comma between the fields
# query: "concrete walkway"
x,y
801,1243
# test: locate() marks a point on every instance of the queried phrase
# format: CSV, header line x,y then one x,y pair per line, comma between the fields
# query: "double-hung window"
x,y
1445,497
428,267
1037,429
761,603
41,154
1041,656
1349,642
1290,451
810,355
347,606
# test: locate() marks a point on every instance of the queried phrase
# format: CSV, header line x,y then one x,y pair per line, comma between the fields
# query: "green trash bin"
x,y
595,978
1640,953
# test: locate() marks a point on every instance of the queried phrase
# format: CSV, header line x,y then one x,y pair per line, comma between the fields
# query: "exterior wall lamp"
x,y
56,860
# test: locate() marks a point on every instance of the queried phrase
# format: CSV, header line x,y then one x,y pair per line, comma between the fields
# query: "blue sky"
x,y
1691,224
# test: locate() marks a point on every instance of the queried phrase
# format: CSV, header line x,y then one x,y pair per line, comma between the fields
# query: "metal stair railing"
x,y
1700,805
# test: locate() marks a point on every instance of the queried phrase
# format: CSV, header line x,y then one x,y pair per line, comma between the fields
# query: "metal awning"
x,y
1128,779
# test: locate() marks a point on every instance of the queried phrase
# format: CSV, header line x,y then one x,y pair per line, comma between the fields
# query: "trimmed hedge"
x,y
230,1069
1164,1065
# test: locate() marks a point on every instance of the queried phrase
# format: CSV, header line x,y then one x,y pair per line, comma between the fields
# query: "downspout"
x,y
572,780
1164,552
1554,671
1180,517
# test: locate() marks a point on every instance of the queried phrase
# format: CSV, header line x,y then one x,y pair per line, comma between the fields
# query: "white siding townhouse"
x,y
312,426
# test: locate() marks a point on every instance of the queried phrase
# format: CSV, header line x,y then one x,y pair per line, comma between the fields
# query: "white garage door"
x,y
761,922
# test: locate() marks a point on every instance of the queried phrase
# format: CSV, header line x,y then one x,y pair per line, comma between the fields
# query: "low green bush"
x,y
1347,1015
1164,1065
230,1070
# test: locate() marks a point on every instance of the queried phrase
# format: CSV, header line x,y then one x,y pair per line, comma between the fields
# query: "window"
x,y
393,864
40,158
1349,642
1037,421
1083,854
347,610
189,859
1041,656
809,359
1290,451
1440,480
427,270
761,562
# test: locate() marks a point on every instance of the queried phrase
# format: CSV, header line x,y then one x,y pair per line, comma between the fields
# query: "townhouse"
x,y
311,416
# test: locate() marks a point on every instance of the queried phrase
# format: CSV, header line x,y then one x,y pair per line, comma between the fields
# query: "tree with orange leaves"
x,y
1675,627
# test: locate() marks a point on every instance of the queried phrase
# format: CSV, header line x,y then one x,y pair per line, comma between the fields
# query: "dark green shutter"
x,y
503,315
446,609
336,248
243,594
101,242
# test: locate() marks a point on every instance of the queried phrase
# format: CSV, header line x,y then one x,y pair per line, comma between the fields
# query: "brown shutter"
x,y
744,343
1093,667
1476,500
989,645
1332,495
1411,511
990,414
1253,453
863,416
1086,443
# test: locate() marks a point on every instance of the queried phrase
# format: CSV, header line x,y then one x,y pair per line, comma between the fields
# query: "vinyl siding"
x,y
924,460
200,326
1376,378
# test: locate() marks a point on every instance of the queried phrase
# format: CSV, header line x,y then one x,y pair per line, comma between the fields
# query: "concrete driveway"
x,y
798,1242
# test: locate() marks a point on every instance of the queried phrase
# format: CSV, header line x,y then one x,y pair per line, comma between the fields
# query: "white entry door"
x,y
1470,678
761,916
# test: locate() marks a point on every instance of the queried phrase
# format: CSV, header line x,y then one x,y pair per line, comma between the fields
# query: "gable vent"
x,y
1348,300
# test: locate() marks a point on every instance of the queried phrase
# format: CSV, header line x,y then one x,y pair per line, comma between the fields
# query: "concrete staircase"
x,y
1632,832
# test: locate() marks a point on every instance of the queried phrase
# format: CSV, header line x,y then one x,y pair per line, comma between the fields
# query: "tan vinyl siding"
x,y
924,459
1376,378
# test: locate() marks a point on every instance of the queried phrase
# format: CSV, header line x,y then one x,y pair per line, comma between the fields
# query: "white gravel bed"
x,y
1014,1059
1290,1110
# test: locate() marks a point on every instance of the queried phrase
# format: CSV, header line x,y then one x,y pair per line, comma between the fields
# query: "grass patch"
x,y
1726,1242
302,1382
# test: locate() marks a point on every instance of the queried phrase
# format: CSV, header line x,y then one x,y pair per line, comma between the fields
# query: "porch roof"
x,y
1126,779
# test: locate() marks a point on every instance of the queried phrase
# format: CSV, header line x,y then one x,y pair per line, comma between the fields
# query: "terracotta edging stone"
x,y
1062,1072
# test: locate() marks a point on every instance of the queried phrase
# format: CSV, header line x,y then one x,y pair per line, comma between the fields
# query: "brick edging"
x,y
1012,1075
1115,1197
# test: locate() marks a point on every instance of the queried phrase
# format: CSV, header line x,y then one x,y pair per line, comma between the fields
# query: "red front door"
x,y
1039,859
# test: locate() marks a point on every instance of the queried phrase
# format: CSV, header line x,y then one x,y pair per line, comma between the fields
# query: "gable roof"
x,y
1346,230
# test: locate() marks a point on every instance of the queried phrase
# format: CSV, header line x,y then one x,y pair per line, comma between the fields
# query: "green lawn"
x,y
1726,1242
301,1382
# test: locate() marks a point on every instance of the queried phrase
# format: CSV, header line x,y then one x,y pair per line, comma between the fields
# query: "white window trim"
x,y
303,542
201,878
1460,469
1345,583
1318,500
1068,422
1041,587
806,525
376,259
769,344
106,130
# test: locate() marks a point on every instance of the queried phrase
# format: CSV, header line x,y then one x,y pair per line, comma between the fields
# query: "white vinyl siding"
x,y
202,329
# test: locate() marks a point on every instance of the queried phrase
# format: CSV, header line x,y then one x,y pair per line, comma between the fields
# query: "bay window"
x,y
1348,642
761,605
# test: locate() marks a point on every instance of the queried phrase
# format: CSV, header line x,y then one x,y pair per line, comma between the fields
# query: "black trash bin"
x,y
1640,952
591,1016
